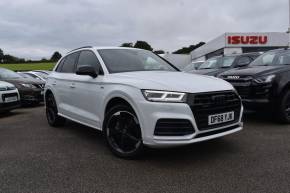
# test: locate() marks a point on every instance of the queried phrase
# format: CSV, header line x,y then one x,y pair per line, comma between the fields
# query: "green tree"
x,y
129,45
143,45
1,55
159,52
187,50
55,56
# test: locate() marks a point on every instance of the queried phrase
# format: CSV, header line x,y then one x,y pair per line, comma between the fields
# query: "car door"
x,y
62,83
87,92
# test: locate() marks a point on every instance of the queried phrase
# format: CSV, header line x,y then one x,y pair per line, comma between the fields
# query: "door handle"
x,y
54,83
72,85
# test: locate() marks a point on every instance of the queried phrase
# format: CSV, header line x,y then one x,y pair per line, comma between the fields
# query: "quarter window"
x,y
69,63
59,66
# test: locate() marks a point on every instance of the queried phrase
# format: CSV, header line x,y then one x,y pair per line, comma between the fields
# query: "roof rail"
x,y
80,48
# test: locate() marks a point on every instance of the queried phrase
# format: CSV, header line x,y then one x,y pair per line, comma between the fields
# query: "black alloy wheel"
x,y
52,116
284,108
123,132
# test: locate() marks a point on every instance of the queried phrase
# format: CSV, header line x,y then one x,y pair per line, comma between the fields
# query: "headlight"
x,y
11,88
3,88
28,85
164,96
265,79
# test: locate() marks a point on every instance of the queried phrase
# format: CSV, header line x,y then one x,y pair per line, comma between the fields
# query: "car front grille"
x,y
204,104
173,127
247,89
9,95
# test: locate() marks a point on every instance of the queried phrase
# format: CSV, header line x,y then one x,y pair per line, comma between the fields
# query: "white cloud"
x,y
36,28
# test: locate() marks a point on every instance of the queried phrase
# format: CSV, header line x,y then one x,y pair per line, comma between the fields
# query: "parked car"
x,y
139,99
217,65
265,83
30,90
34,74
192,66
9,97
42,71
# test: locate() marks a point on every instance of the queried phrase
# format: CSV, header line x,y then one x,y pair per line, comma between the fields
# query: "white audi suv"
x,y
139,99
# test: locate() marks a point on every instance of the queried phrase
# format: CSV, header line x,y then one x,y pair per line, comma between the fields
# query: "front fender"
x,y
130,94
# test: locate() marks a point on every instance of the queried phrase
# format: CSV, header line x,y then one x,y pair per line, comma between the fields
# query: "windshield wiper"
x,y
204,68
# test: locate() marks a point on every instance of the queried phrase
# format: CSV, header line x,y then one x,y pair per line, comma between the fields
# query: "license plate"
x,y
221,118
10,99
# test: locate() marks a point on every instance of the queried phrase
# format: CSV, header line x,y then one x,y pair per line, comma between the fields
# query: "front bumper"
x,y
28,96
251,92
6,106
153,111
256,96
9,106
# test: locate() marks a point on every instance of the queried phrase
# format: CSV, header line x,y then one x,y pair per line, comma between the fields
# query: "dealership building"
x,y
235,43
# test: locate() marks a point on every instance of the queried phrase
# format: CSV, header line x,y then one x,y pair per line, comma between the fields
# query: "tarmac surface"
x,y
35,157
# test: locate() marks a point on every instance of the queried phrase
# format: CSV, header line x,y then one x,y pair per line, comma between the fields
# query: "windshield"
x,y
192,66
227,61
209,64
8,74
273,58
24,75
42,75
220,62
128,60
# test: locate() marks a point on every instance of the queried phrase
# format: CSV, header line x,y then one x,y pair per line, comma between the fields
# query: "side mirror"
x,y
87,70
244,63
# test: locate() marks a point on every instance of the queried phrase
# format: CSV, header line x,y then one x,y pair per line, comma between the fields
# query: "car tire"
x,y
52,116
122,132
284,108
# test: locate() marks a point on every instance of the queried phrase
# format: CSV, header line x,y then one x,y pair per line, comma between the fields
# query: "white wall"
x,y
228,51
211,46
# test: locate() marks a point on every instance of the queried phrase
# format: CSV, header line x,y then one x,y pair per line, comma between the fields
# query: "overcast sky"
x,y
36,28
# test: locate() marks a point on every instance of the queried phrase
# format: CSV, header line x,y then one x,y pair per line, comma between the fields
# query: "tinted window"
x,y
59,66
126,60
284,58
209,64
69,63
265,59
89,58
227,61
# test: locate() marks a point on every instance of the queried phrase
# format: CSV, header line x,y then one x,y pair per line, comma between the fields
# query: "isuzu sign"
x,y
248,40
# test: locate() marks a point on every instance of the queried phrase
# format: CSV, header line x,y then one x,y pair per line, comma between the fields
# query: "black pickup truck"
x,y
265,83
